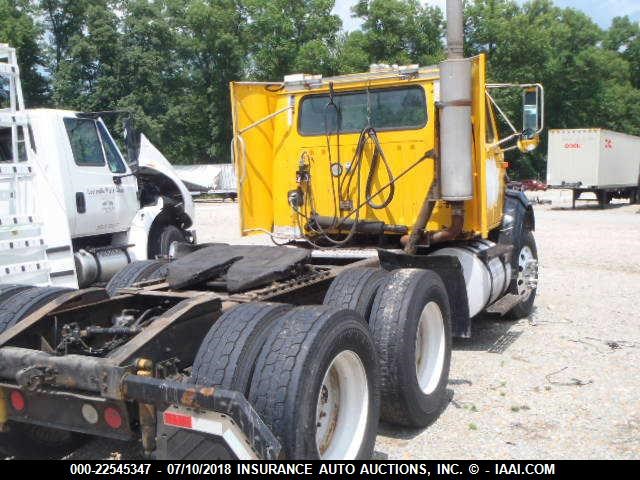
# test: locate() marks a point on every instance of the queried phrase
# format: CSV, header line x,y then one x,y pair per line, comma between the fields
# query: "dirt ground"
x,y
562,384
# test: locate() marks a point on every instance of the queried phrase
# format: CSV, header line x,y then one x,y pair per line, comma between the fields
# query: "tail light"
x,y
17,400
112,417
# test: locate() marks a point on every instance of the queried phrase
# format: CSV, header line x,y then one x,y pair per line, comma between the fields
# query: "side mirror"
x,y
131,140
532,118
528,142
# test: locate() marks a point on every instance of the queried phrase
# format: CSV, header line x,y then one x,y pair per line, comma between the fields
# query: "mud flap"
x,y
209,415
518,217
450,271
185,434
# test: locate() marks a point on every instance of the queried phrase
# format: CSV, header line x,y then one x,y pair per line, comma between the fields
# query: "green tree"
x,y
624,37
587,85
63,19
353,56
86,78
211,52
285,37
147,75
19,28
401,31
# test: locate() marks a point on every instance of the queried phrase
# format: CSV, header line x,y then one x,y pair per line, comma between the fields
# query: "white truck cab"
x,y
73,212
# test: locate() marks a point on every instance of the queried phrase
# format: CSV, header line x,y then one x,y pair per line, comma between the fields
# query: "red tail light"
x,y
17,400
112,417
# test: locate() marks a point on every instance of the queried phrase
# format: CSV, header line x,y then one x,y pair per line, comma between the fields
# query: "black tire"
x,y
161,238
355,289
9,290
395,318
135,272
26,302
26,440
290,372
525,308
228,353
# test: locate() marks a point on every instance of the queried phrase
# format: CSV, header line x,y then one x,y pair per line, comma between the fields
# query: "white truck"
x,y
594,160
73,212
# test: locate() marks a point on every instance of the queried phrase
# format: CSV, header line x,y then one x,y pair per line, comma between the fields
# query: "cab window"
x,y
491,133
85,143
116,165
6,147
383,109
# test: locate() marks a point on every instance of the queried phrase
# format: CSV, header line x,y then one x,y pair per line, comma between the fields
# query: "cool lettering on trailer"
x,y
574,146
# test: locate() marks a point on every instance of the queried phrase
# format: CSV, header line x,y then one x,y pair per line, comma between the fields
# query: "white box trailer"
x,y
594,160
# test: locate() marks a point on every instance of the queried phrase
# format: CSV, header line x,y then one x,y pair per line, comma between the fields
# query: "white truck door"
x,y
127,203
103,205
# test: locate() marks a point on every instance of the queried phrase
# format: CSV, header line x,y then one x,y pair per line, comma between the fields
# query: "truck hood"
x,y
151,162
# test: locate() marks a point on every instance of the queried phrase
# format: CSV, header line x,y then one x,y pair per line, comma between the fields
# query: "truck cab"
x,y
88,200
88,172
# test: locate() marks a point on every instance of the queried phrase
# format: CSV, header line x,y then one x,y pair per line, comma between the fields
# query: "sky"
x,y
602,11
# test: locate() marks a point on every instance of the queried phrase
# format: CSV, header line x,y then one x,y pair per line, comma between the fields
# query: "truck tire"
x,y
26,302
135,272
228,353
161,238
316,384
8,291
411,324
355,289
527,251
26,440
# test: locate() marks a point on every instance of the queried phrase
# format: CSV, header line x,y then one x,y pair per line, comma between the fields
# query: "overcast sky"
x,y
602,11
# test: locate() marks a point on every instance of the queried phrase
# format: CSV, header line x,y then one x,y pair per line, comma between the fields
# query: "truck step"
x,y
504,305
19,227
30,249
18,119
28,273
16,170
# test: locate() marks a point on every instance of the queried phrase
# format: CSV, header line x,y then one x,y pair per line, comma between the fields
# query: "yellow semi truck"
x,y
388,189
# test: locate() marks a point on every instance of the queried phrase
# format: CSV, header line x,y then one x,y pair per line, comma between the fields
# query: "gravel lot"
x,y
562,384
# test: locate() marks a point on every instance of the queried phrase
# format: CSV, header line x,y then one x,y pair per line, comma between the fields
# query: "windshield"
x,y
383,109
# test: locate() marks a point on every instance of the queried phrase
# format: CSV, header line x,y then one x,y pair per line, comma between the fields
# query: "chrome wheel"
x,y
430,348
342,408
527,279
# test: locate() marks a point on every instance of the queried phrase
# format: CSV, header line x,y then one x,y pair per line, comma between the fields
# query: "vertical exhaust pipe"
x,y
455,30
456,157
456,171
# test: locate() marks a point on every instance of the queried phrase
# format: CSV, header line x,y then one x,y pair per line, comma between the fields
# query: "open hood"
x,y
151,162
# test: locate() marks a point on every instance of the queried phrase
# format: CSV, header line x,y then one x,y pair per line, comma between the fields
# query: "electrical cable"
x,y
367,134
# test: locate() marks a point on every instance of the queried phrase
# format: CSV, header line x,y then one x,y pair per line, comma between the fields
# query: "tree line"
x,y
170,61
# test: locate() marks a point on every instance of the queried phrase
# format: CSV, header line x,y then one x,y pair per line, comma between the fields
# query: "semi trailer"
x,y
385,192
73,209
596,161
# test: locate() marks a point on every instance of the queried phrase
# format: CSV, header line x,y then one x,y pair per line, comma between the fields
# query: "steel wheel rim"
x,y
527,279
430,348
342,409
